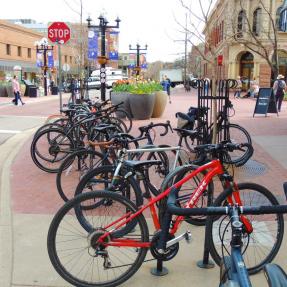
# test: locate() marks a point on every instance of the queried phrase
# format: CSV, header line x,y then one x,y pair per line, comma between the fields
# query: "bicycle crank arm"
x,y
186,236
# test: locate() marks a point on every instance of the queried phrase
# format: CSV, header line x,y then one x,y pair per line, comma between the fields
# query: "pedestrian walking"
x,y
16,90
166,85
238,88
279,88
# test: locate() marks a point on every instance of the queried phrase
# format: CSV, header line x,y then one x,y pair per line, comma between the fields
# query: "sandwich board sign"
x,y
265,102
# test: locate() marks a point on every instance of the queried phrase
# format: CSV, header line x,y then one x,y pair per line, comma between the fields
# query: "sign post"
x,y
60,33
265,102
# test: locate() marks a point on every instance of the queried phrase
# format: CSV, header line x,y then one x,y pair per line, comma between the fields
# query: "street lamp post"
x,y
138,49
44,47
103,26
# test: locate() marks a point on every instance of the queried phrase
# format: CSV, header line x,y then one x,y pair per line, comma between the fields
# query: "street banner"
x,y
113,44
93,44
143,62
39,59
50,59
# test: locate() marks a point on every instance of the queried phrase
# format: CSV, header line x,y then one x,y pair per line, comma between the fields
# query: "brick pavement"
x,y
33,192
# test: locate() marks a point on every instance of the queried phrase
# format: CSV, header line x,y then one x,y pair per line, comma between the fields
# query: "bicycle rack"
x,y
159,270
206,99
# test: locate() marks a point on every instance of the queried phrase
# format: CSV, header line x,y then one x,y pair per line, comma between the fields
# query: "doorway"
x,y
246,69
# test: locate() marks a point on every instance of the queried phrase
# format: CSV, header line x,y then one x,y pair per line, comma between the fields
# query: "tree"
x,y
199,22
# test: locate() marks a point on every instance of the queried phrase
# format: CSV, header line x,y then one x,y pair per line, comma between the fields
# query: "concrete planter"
x,y
142,105
159,104
10,92
118,97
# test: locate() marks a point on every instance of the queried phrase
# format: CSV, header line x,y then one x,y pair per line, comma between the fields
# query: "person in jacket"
x,y
279,88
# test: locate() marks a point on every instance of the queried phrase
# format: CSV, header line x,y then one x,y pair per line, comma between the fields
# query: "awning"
x,y
8,65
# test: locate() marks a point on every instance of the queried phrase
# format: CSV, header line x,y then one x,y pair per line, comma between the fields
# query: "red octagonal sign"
x,y
59,32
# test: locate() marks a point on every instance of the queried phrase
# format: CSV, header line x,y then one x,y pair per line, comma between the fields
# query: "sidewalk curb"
x,y
8,152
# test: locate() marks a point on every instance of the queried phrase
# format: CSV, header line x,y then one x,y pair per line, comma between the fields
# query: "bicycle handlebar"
x,y
145,129
174,209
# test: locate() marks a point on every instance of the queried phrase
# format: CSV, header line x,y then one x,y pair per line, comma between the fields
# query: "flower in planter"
x,y
137,86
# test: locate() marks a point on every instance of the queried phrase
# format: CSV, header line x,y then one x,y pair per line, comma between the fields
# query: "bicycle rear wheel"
x,y
263,243
50,147
73,168
76,253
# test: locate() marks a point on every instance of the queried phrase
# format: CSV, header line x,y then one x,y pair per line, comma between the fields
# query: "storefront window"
x,y
246,69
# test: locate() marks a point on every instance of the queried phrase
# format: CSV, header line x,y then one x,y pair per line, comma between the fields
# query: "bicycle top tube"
x,y
154,149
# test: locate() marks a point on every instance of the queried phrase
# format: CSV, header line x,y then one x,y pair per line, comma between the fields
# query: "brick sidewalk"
x,y
35,199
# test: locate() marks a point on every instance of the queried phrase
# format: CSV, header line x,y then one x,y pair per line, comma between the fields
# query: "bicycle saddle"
x,y
275,275
185,117
186,133
138,164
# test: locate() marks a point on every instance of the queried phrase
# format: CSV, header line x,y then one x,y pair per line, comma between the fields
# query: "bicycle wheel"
x,y
47,127
100,178
188,188
237,134
73,168
259,246
125,117
120,123
49,148
76,253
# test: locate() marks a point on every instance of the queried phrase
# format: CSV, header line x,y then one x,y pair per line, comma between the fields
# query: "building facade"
x,y
232,29
18,53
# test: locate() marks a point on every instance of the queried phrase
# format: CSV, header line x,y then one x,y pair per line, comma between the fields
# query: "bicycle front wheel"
x,y
239,135
261,245
77,254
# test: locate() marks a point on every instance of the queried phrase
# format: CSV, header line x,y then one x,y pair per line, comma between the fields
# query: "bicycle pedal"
x,y
188,237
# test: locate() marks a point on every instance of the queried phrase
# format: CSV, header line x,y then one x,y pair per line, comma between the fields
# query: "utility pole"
x,y
103,26
138,49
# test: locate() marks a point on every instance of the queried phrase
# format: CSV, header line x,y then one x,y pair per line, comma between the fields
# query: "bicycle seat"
x,y
185,117
135,164
275,275
186,133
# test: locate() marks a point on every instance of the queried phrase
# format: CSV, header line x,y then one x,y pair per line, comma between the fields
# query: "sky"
x,y
150,22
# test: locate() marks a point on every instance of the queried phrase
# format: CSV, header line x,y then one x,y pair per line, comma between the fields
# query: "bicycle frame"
x,y
216,169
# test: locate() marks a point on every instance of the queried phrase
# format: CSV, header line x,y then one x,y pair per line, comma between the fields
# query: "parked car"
x,y
94,83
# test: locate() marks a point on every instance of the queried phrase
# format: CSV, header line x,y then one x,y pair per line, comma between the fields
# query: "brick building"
x,y
234,19
17,48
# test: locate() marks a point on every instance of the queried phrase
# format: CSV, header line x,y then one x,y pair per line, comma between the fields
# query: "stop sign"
x,y
59,32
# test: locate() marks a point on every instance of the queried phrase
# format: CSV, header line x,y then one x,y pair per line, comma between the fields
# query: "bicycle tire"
x,y
119,122
237,134
84,244
42,161
46,127
69,174
186,190
267,198
93,179
125,116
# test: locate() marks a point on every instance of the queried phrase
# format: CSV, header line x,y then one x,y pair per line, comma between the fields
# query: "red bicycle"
x,y
105,245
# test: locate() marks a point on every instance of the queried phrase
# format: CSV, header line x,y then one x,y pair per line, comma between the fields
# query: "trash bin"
x,y
32,92
54,90
31,89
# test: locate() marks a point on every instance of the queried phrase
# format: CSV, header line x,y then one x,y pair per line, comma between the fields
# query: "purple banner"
x,y
50,59
39,60
92,44
113,43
